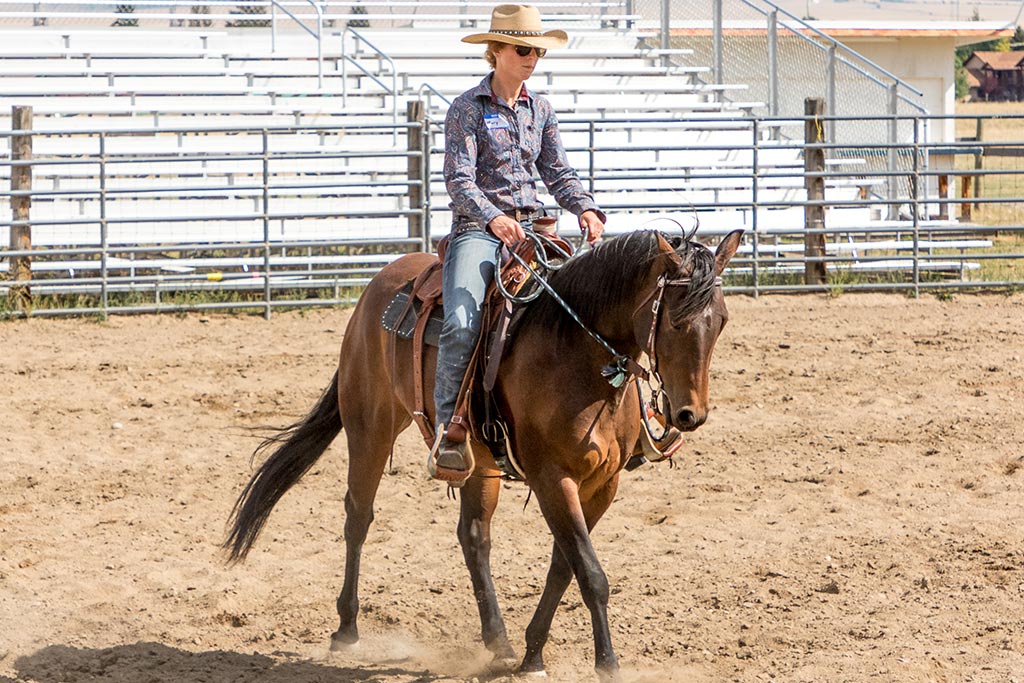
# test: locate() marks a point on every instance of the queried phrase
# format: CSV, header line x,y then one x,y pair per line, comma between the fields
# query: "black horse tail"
x,y
299,446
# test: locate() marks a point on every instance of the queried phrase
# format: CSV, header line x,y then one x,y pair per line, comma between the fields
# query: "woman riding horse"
x,y
495,134
573,428
575,419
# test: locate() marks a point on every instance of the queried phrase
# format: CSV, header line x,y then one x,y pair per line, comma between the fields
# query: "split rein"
x,y
622,366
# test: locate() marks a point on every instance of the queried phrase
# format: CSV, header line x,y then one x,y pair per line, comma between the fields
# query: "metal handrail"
x,y
429,89
383,57
318,34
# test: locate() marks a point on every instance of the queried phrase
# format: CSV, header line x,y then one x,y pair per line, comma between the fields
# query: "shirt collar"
x,y
484,90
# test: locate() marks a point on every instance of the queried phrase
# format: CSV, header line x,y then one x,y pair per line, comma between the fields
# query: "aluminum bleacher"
x,y
214,137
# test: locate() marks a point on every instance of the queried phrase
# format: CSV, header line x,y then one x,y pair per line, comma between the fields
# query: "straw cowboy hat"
x,y
519,25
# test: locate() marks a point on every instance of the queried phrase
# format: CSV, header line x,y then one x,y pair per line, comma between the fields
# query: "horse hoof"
x,y
343,641
534,674
502,664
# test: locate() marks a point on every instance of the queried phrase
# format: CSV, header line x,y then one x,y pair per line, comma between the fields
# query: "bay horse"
x,y
571,430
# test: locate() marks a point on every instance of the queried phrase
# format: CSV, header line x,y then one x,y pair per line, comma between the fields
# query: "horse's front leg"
x,y
559,578
570,521
479,497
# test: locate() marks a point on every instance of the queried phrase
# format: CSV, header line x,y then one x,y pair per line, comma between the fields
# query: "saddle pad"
x,y
405,327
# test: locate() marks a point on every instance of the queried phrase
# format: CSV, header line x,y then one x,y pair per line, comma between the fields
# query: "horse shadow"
x,y
147,662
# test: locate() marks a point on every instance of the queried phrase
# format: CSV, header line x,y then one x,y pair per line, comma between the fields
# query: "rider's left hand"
x,y
592,225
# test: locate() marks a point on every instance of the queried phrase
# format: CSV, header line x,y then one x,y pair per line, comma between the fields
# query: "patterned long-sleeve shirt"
x,y
491,148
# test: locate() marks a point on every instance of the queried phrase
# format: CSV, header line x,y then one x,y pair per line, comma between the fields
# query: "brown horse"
x,y
641,292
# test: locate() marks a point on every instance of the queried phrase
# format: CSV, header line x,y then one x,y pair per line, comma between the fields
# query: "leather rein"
x,y
622,365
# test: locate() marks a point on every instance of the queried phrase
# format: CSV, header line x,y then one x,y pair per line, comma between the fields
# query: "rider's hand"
x,y
507,229
591,225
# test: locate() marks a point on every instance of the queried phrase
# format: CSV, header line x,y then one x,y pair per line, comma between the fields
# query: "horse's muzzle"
x,y
688,419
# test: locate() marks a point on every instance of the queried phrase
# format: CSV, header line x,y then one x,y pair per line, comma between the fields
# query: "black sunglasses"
x,y
525,50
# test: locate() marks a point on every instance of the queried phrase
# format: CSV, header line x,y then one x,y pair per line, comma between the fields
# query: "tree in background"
x,y
359,23
200,23
1017,42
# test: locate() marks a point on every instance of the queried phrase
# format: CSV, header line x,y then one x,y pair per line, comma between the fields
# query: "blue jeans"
x,y
468,272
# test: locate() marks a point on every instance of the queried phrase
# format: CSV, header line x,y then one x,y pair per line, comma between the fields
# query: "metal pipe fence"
x,y
170,219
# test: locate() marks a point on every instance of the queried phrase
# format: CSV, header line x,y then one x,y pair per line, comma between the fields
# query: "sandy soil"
x,y
851,512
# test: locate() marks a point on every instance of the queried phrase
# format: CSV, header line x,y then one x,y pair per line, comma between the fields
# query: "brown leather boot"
x,y
451,456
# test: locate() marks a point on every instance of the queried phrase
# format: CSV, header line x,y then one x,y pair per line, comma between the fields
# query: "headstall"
x,y
651,347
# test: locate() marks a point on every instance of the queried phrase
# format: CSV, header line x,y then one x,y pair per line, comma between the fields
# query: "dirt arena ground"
x,y
852,511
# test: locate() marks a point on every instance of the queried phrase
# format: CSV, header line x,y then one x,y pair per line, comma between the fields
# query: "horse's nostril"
x,y
688,419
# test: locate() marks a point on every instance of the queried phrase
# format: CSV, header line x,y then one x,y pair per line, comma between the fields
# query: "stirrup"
x,y
454,478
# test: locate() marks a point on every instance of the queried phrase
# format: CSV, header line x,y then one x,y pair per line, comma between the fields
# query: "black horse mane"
x,y
598,280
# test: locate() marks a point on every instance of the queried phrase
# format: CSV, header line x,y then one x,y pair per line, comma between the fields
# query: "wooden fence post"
x,y
21,235
416,113
814,216
966,193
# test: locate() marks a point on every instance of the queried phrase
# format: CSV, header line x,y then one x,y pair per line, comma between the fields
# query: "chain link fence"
x,y
781,61
230,14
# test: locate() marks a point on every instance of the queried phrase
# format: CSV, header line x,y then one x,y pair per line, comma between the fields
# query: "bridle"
x,y
651,376
622,366
656,297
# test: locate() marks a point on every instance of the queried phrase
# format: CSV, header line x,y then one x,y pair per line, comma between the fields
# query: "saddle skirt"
x,y
405,307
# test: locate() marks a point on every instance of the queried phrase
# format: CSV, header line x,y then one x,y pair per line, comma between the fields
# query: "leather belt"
x,y
525,214
462,224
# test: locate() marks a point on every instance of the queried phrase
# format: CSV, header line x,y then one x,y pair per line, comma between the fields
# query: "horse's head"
x,y
684,316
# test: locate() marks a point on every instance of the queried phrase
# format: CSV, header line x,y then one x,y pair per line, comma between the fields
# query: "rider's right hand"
x,y
506,229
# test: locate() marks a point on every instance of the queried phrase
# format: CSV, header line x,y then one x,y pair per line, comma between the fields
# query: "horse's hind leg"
x,y
369,445
479,497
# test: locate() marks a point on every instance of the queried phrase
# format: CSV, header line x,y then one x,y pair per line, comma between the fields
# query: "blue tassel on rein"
x,y
616,372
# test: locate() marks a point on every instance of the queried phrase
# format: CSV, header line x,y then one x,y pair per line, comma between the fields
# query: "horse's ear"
x,y
726,250
665,249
